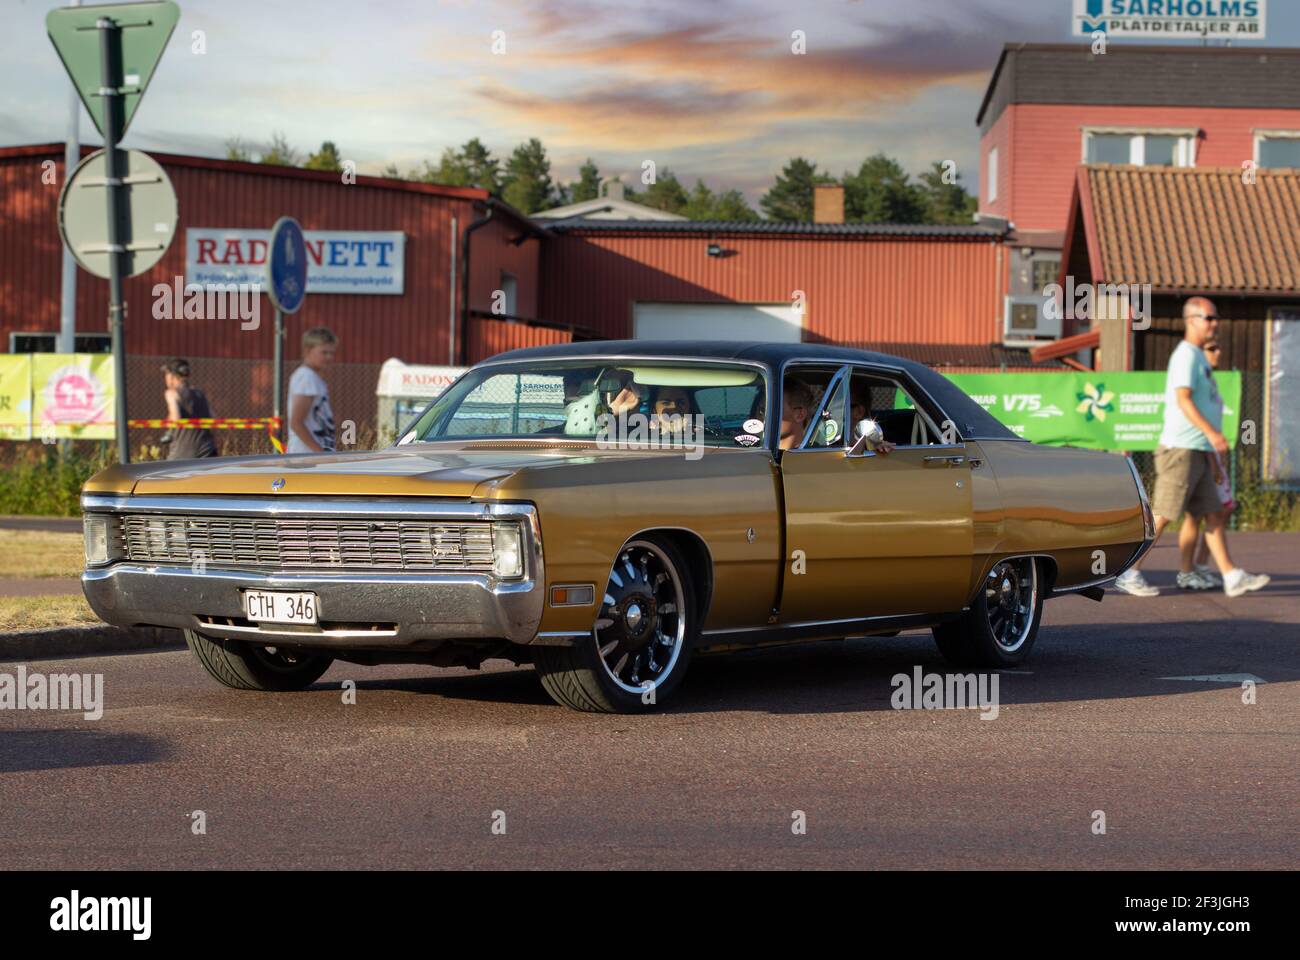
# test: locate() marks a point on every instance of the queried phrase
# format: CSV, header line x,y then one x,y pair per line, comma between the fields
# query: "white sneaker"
x,y
1194,581
1237,581
1208,573
1132,582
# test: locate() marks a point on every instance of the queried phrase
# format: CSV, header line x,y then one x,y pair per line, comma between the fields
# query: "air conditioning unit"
x,y
1025,321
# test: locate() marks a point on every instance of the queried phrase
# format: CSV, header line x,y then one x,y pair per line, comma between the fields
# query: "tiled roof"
x,y
773,227
1192,229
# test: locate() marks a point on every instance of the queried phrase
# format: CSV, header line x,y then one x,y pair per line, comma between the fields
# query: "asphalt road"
x,y
410,776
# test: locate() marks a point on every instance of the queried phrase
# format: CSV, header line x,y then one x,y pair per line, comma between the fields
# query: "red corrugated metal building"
x,y
415,325
900,288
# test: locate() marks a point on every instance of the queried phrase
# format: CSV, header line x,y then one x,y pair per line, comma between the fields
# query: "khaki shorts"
x,y
1184,481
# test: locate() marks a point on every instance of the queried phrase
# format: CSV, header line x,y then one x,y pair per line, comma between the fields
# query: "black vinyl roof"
x,y
972,420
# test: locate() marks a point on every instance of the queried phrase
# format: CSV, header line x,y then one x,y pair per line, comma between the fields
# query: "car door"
x,y
875,534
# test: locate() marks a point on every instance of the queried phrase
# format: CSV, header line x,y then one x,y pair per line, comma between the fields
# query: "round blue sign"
x,y
286,266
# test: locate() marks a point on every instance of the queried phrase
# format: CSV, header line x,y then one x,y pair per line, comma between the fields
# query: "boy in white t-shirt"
x,y
311,420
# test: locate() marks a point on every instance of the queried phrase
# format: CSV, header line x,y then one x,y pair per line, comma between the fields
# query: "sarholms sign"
x,y
338,261
1193,19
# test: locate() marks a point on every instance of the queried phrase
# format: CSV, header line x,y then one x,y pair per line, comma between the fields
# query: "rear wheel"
x,y
643,636
1000,628
249,666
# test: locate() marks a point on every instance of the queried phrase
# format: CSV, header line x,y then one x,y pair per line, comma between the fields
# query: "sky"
x,y
707,88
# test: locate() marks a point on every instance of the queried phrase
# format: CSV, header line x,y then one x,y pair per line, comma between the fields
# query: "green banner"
x,y
1115,410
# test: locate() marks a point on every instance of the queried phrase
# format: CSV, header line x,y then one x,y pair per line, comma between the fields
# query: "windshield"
x,y
624,403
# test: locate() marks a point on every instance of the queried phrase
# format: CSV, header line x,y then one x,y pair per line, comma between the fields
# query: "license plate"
x,y
272,607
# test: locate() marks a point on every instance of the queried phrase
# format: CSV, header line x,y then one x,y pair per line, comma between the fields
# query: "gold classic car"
x,y
605,510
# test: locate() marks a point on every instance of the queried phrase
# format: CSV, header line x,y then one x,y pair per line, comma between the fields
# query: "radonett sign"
x,y
338,261
1191,19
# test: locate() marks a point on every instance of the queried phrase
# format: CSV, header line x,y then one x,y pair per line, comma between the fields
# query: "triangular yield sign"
x,y
145,29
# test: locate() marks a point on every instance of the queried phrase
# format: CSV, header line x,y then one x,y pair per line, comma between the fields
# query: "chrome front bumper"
x,y
373,610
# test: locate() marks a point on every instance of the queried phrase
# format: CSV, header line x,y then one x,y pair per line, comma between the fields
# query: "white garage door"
x,y
716,321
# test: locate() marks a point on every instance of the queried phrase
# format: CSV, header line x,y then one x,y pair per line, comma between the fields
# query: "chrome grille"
x,y
308,543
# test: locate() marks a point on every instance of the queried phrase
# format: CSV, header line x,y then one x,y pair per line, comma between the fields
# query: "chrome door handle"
x,y
944,461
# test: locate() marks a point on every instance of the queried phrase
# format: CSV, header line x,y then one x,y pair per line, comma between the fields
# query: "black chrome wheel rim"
x,y
1010,598
642,623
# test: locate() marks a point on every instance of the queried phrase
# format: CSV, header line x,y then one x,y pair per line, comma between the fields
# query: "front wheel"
x,y
642,640
1000,628
247,666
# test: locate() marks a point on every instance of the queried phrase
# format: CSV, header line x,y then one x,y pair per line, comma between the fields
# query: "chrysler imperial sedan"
x,y
605,510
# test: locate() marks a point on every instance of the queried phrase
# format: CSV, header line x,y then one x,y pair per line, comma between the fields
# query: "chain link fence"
x,y
246,389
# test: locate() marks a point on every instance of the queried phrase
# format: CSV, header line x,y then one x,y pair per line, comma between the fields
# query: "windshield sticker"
x,y
752,426
746,439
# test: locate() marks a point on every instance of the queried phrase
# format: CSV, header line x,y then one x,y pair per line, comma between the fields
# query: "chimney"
x,y
828,203
613,188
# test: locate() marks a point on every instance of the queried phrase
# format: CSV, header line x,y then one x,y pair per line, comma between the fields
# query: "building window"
x,y
1045,273
993,175
1145,148
49,343
1277,148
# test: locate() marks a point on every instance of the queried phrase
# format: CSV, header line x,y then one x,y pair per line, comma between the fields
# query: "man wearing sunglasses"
x,y
1185,473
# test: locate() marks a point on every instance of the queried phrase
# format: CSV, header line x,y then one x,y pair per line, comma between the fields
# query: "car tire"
x,y
642,640
1002,624
246,666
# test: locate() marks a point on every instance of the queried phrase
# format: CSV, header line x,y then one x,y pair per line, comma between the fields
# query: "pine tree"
x,y
528,186
326,158
791,196
880,192
587,186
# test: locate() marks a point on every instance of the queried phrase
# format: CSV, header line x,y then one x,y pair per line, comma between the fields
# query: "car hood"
x,y
456,470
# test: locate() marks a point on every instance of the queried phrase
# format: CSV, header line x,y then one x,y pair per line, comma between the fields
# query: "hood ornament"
x,y
277,484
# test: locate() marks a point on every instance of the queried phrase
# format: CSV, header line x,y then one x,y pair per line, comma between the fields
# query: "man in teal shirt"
x,y
1185,460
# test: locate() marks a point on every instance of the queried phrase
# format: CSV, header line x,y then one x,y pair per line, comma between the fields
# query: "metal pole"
x,y
278,375
110,55
71,157
451,322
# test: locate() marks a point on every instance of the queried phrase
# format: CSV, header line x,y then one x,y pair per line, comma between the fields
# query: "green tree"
x,y
587,186
700,204
946,202
238,149
880,192
704,204
731,205
666,193
471,166
326,158
528,186
392,172
791,196
281,152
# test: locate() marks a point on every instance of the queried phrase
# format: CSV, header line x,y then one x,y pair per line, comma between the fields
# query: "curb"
x,y
88,641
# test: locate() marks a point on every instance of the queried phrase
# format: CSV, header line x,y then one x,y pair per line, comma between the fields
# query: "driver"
x,y
796,407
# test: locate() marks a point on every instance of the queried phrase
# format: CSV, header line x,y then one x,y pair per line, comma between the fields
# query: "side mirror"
x,y
868,434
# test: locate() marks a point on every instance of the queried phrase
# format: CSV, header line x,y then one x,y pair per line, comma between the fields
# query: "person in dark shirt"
x,y
186,402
